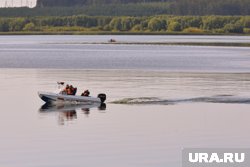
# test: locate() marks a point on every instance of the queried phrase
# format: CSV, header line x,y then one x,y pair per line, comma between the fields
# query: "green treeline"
x,y
149,8
161,23
67,3
141,9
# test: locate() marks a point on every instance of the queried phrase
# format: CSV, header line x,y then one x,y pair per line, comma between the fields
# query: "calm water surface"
x,y
179,96
56,52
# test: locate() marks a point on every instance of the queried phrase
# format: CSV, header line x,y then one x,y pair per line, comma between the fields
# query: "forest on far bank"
x,y
67,3
145,24
141,8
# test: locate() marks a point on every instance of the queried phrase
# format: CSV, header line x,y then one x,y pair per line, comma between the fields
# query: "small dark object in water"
x,y
112,40
60,83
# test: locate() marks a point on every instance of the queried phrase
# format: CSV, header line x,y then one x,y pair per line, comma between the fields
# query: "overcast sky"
x,y
17,3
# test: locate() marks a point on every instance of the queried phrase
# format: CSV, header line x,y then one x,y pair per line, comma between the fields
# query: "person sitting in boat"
x,y
71,90
86,93
65,90
74,91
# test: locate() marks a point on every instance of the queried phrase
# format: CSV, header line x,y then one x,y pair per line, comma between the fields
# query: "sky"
x,y
17,3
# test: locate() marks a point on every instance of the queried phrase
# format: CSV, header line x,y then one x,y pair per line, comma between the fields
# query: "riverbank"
x,y
235,44
115,33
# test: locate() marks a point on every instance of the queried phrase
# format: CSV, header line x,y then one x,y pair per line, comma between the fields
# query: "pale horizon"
x,y
17,3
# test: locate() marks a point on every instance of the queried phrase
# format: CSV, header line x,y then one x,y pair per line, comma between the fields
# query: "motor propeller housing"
x,y
102,97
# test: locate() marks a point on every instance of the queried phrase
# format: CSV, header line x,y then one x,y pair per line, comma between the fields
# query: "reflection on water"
x,y
66,116
62,107
68,112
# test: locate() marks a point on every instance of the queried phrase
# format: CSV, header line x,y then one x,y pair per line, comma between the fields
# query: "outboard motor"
x,y
102,97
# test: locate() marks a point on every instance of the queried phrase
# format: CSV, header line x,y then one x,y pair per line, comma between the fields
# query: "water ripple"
x,y
213,99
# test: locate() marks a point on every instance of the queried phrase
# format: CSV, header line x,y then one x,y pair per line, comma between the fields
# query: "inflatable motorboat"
x,y
69,97
64,98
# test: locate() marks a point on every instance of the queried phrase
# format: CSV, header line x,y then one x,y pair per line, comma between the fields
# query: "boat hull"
x,y
61,98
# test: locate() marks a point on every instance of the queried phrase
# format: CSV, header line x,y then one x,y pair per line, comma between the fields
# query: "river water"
x,y
161,99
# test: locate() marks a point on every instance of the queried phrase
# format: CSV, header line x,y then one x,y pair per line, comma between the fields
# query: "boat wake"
x,y
213,99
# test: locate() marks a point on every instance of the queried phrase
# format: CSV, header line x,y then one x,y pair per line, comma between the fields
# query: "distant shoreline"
x,y
117,33
164,43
